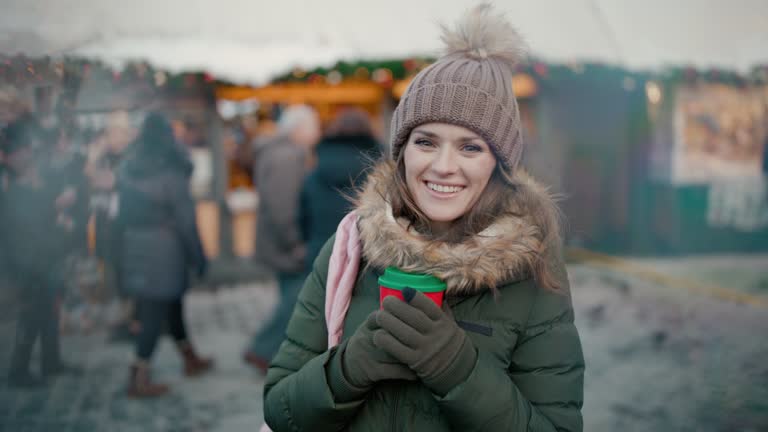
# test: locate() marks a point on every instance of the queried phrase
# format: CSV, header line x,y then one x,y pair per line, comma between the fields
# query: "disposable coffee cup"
x,y
392,282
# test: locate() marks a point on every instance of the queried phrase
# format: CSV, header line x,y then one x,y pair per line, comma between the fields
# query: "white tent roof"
x,y
252,41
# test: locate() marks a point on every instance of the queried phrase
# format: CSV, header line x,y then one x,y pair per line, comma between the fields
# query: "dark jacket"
x,y
280,171
68,172
530,368
31,237
107,231
159,237
324,196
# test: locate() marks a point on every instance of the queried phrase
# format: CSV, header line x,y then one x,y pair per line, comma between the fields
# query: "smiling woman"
x,y
447,168
450,204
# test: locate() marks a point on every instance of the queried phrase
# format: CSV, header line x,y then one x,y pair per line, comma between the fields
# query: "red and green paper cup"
x,y
392,282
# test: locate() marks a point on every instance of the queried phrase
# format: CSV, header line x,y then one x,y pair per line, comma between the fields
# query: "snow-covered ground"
x,y
662,358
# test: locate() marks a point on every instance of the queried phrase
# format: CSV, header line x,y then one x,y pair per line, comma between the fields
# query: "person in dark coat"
x,y
160,244
342,155
64,168
32,230
281,166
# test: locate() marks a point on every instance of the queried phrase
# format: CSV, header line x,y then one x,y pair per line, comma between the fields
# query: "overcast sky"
x,y
636,34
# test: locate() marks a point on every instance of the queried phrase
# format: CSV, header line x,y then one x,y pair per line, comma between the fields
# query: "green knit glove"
x,y
427,339
360,364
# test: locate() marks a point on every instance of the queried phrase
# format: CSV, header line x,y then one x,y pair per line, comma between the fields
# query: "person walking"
x,y
32,230
342,158
104,156
451,203
160,244
281,167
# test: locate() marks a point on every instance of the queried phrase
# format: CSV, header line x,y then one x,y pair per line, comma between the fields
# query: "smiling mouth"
x,y
443,189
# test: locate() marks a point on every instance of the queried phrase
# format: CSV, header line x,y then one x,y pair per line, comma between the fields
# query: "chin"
x,y
442,217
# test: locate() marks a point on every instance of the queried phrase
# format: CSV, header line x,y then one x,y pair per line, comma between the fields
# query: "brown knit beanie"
x,y
470,86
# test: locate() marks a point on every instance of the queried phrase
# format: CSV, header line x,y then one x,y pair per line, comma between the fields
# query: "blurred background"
x,y
649,120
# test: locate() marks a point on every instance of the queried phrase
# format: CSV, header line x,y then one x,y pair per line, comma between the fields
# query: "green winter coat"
x,y
529,370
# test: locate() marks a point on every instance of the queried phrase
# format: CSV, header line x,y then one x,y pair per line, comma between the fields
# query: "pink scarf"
x,y
342,273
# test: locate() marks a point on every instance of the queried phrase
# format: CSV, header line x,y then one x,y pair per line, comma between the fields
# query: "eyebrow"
x,y
434,135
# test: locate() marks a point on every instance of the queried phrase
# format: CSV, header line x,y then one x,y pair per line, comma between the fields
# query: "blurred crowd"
x,y
80,217
99,227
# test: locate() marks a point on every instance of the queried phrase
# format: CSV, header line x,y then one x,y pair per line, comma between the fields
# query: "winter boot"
x,y
141,386
257,362
194,365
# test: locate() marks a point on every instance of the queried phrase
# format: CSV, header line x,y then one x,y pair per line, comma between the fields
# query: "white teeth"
x,y
444,189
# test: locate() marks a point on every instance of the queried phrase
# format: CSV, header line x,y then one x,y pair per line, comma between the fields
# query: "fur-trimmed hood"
x,y
507,251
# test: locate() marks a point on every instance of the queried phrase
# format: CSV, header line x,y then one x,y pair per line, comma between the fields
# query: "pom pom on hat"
x,y
482,34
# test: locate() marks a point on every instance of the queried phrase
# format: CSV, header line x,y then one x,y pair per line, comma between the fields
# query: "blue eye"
x,y
423,142
473,148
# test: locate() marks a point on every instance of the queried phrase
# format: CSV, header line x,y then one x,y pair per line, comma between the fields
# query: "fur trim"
x,y
481,34
507,251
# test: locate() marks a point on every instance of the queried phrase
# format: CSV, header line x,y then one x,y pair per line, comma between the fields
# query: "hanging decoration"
x,y
20,71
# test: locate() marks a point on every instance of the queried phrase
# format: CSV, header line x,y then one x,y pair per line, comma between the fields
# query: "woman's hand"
x,y
365,364
427,339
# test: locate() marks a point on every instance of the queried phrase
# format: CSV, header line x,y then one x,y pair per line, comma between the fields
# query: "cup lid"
x,y
396,279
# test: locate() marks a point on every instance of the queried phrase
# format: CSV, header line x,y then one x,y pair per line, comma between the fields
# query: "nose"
x,y
445,161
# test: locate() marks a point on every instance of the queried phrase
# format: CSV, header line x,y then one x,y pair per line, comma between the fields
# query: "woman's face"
x,y
446,170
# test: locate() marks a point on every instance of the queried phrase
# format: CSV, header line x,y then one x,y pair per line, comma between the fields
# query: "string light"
x,y
160,78
653,92
334,77
383,77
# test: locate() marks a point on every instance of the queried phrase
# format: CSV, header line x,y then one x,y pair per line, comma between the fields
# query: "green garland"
x,y
542,71
20,70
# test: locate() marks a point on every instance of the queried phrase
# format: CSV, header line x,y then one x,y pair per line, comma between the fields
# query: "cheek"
x,y
411,182
412,167
485,171
486,177
481,175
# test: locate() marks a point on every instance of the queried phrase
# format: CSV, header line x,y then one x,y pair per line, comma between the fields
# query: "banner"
x,y
720,132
